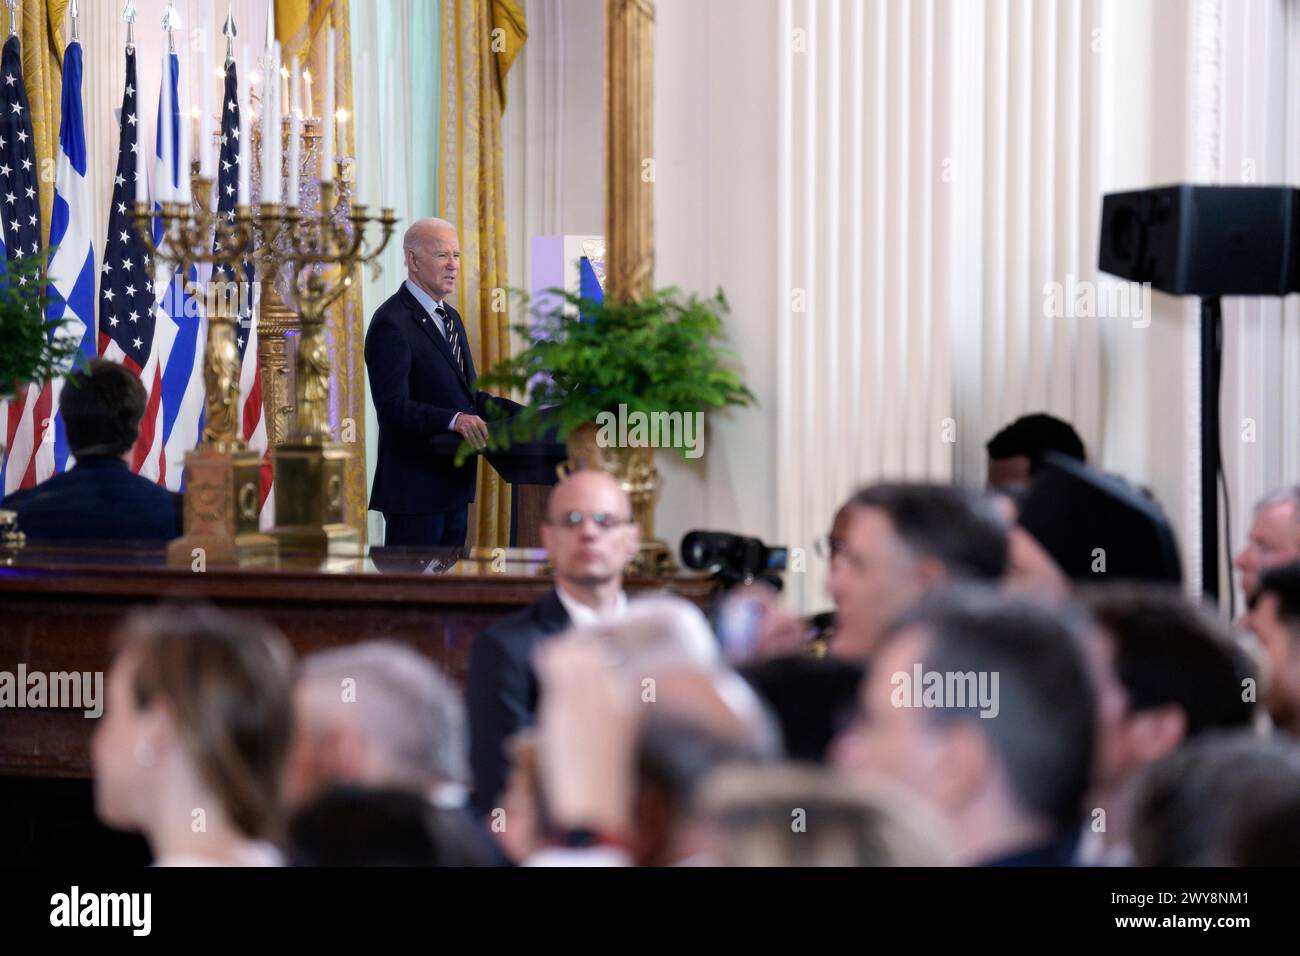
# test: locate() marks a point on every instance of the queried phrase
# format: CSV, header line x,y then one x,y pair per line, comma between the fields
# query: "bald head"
x,y
432,252
583,487
589,533
422,230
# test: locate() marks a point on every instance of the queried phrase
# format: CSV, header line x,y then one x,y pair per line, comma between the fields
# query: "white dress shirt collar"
x,y
580,615
427,302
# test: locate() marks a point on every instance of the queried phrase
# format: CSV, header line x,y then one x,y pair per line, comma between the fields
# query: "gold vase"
x,y
634,467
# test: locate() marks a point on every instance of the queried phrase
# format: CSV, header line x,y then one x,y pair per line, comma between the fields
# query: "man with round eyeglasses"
x,y
590,536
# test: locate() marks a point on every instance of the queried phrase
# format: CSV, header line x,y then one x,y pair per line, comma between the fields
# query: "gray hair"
x,y
1288,494
418,229
404,706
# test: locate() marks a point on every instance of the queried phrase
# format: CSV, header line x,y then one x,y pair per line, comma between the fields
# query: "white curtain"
x,y
399,134
938,169
1255,114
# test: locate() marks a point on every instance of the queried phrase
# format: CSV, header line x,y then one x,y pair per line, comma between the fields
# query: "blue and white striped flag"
x,y
180,329
72,265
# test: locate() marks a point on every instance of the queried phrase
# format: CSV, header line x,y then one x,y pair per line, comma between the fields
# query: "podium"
x,y
530,468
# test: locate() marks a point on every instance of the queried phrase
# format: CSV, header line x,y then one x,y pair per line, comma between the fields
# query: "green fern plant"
x,y
30,351
659,353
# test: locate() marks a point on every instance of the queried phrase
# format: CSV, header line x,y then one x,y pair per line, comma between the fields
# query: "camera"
x,y
731,557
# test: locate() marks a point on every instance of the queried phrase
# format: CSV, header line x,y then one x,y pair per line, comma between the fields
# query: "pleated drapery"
x,y
480,39
41,33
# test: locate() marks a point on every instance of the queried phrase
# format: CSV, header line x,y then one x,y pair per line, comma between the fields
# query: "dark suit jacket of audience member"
x,y
813,698
418,388
99,499
501,690
1061,850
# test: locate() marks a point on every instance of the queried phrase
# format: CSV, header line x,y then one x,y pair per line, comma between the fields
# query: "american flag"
x,y
126,301
250,379
28,416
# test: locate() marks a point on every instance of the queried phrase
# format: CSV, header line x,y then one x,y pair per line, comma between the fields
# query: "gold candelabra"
x,y
322,249
222,475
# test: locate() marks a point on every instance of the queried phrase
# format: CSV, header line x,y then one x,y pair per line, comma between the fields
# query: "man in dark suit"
x,y
99,499
422,381
590,536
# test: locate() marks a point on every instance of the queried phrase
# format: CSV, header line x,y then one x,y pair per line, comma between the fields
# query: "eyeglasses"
x,y
601,519
829,547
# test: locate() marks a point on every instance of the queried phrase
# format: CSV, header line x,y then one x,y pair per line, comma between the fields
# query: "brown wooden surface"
x,y
60,607
530,509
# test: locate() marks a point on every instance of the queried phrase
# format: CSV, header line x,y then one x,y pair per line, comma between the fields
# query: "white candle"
x,y
277,141
307,105
340,133
363,152
327,115
204,100
268,130
295,135
245,136
390,151
183,172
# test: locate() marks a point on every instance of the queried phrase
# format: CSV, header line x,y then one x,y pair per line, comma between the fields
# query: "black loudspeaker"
x,y
1087,520
1204,240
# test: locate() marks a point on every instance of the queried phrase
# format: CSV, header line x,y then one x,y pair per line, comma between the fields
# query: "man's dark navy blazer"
x,y
99,499
417,388
501,690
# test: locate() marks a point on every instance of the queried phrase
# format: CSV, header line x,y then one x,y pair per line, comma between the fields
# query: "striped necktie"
x,y
453,339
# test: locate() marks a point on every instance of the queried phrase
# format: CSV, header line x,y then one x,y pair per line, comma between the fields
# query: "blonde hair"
x,y
791,815
226,681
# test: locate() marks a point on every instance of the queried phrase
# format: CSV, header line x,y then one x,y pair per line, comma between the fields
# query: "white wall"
x,y
716,207
553,130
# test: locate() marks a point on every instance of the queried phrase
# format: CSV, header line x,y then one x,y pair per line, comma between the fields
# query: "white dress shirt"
x,y
252,853
580,615
430,307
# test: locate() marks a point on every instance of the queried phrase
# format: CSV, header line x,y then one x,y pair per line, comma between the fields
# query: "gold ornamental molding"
x,y
629,238
629,147
274,324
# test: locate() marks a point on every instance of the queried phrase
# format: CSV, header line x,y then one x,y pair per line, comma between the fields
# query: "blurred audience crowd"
x,y
971,703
